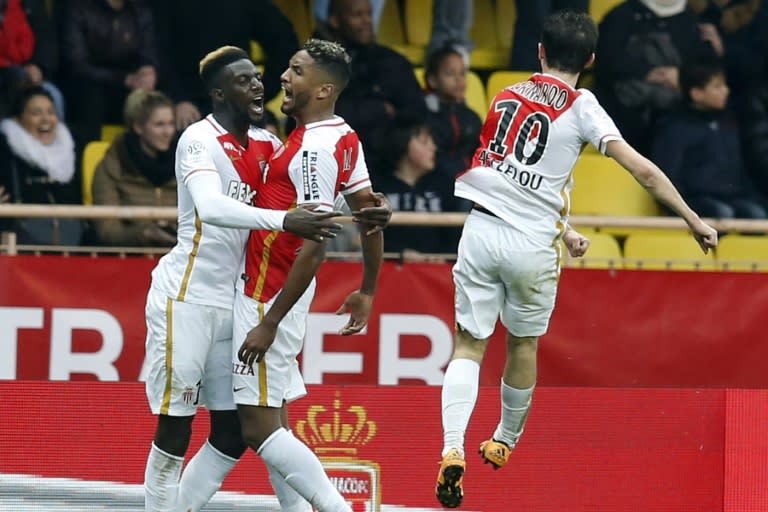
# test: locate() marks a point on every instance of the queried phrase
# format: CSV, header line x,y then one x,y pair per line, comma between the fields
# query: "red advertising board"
x,y
585,449
82,318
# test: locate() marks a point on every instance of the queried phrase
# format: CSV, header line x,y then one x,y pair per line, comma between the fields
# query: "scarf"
x,y
664,8
56,159
158,170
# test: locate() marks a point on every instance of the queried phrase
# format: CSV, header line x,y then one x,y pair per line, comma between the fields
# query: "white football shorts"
x,y
277,377
500,272
187,351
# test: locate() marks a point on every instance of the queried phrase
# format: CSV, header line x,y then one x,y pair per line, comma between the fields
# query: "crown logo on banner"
x,y
339,429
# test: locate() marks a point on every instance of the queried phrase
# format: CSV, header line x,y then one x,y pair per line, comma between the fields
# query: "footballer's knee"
x,y
469,347
173,434
226,435
258,423
522,344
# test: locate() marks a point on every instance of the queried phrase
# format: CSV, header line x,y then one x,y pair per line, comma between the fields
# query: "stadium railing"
x,y
9,245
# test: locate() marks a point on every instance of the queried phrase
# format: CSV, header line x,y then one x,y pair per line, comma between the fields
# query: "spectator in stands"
x,y
38,158
17,43
641,46
410,183
451,23
109,50
43,66
455,127
320,12
528,27
382,87
742,25
188,29
753,124
700,151
137,170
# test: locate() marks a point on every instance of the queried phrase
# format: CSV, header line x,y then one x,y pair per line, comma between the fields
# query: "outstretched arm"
x,y
214,207
657,184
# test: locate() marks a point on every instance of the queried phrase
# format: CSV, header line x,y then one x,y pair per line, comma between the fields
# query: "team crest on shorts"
x,y
337,434
189,395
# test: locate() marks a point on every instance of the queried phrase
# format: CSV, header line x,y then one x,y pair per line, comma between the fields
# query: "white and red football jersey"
x,y
202,267
531,138
318,162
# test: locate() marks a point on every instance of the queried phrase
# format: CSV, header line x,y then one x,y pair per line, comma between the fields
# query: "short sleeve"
x,y
595,124
193,155
359,178
314,174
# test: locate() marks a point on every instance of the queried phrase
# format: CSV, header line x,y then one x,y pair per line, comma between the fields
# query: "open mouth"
x,y
257,104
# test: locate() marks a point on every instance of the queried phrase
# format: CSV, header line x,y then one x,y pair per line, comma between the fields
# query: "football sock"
x,y
290,500
459,394
203,477
302,470
515,404
161,480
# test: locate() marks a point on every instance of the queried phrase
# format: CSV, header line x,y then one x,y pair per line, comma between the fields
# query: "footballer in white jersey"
x,y
197,277
508,259
523,170
203,266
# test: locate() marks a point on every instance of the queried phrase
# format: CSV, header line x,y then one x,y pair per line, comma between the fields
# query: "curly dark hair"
x,y
331,57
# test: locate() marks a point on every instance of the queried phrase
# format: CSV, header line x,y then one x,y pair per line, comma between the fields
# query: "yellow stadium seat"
x,y
599,8
475,96
297,11
110,131
256,53
488,53
390,30
604,252
498,80
92,155
603,187
666,252
743,253
418,22
506,15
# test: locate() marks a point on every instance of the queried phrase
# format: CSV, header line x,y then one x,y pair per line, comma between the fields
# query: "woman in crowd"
x,y
37,156
138,170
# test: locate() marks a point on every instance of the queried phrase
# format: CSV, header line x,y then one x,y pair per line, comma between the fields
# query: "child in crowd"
x,y
411,184
454,126
700,150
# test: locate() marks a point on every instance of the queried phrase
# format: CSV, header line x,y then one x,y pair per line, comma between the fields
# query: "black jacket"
x,y
700,152
456,130
189,29
432,193
380,76
103,45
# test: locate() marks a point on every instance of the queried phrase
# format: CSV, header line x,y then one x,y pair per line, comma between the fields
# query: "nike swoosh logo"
x,y
238,389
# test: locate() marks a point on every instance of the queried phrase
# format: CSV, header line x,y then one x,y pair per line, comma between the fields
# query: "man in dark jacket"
x,y
188,29
383,86
642,45
109,51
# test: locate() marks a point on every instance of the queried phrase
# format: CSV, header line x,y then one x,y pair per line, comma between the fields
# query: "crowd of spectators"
x,y
686,82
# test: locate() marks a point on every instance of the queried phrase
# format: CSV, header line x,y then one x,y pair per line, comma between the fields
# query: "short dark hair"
x,y
436,58
393,145
569,38
332,58
697,74
22,97
215,61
